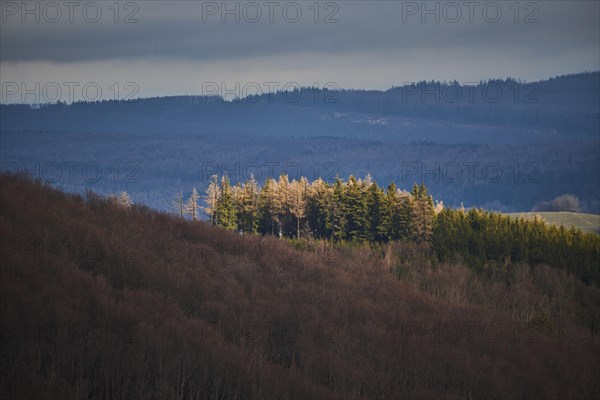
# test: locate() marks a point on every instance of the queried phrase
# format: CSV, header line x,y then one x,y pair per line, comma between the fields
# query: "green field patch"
x,y
585,222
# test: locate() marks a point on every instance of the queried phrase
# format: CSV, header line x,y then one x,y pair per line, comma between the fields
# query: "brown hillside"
x,y
105,302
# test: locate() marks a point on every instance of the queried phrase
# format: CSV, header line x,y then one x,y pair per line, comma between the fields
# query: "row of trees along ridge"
x,y
358,210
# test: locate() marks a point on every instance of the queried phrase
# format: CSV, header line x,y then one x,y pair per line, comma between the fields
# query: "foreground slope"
x,y
104,302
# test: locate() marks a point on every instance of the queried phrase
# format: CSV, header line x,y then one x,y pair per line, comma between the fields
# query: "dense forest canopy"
x,y
566,106
358,210
542,143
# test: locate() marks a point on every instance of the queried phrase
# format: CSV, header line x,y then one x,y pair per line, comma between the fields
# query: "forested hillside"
x,y
151,168
507,153
102,298
564,107
360,211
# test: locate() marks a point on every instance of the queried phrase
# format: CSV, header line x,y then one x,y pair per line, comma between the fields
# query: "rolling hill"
x,y
101,301
564,108
502,155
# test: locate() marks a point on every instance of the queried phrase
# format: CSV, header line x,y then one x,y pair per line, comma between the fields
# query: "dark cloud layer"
x,y
534,33
177,30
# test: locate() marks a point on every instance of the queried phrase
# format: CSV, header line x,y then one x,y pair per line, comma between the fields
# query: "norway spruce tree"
x,y
354,211
226,207
268,206
375,205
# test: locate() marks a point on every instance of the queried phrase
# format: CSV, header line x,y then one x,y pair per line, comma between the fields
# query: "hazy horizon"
x,y
175,48
237,91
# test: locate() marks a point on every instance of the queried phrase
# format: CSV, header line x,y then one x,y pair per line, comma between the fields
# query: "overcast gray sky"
x,y
178,47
